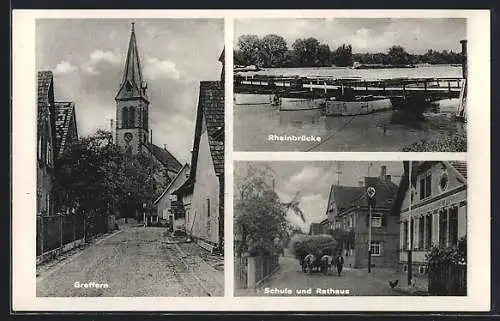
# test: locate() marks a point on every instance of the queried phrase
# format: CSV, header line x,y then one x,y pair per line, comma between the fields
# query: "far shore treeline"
x,y
272,51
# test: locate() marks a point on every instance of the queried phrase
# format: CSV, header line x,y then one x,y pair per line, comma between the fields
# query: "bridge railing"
x,y
452,84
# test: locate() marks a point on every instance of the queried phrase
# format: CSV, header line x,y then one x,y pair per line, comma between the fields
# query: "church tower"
x,y
132,103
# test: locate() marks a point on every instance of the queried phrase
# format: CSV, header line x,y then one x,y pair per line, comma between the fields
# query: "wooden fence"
x,y
447,279
251,270
60,232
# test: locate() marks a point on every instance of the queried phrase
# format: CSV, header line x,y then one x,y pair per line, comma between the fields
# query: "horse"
x,y
326,263
309,263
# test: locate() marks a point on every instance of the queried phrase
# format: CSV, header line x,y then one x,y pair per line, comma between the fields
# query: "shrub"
x,y
448,255
453,143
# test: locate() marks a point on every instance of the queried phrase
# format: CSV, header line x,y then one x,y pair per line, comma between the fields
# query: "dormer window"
x,y
443,181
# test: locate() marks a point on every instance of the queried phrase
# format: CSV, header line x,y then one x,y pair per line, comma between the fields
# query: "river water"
x,y
378,132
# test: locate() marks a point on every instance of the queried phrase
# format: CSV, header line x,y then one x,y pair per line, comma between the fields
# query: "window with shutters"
x,y
376,220
453,227
421,228
428,233
405,235
425,185
443,227
422,188
376,247
428,183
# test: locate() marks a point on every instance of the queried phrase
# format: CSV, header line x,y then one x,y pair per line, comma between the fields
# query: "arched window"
x,y
131,117
125,117
145,118
140,120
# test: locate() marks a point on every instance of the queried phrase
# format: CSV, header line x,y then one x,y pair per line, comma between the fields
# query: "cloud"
x,y
99,58
64,67
156,68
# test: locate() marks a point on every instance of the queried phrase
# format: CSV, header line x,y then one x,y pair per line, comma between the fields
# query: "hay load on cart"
x,y
318,245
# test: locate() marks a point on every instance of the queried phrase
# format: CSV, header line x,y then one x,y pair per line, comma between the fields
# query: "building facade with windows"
x,y
46,144
348,210
438,212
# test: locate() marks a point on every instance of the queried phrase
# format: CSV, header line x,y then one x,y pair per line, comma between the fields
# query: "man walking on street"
x,y
339,262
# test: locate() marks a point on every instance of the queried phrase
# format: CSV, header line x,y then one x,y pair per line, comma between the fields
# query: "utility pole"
x,y
410,232
370,192
369,238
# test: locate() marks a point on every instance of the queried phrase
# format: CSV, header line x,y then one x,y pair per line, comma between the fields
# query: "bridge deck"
x,y
432,87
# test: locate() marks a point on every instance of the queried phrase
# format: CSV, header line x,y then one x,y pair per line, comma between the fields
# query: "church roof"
x,y
164,156
211,111
65,113
132,84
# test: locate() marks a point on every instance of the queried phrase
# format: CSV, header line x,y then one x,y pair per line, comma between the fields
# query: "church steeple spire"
x,y
132,84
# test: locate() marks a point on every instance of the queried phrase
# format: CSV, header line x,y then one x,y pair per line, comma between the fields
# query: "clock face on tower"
x,y
128,137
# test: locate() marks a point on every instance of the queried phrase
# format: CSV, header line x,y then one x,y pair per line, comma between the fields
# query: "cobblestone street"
x,y
289,279
135,261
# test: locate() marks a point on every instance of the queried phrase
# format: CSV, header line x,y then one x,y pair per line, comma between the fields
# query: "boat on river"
x,y
359,105
358,65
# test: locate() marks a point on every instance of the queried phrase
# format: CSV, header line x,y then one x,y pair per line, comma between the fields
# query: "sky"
x,y
314,179
87,57
416,35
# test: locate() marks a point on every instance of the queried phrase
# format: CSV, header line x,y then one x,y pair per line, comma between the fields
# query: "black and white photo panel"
x,y
350,84
350,228
128,204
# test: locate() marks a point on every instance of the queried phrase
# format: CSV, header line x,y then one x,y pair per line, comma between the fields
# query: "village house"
x,y
202,194
438,209
167,206
45,142
56,133
348,210
66,129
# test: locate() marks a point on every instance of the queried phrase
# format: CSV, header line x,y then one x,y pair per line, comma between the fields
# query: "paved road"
x,y
137,261
290,278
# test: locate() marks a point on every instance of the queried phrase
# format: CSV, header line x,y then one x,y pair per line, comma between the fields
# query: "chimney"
x,y
383,172
165,146
388,178
361,183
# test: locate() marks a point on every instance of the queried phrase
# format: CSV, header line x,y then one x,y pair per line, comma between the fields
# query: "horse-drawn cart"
x,y
315,253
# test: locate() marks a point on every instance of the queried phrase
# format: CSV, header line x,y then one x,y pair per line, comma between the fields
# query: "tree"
x,y
249,47
342,57
307,51
272,50
260,218
97,176
398,56
325,55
